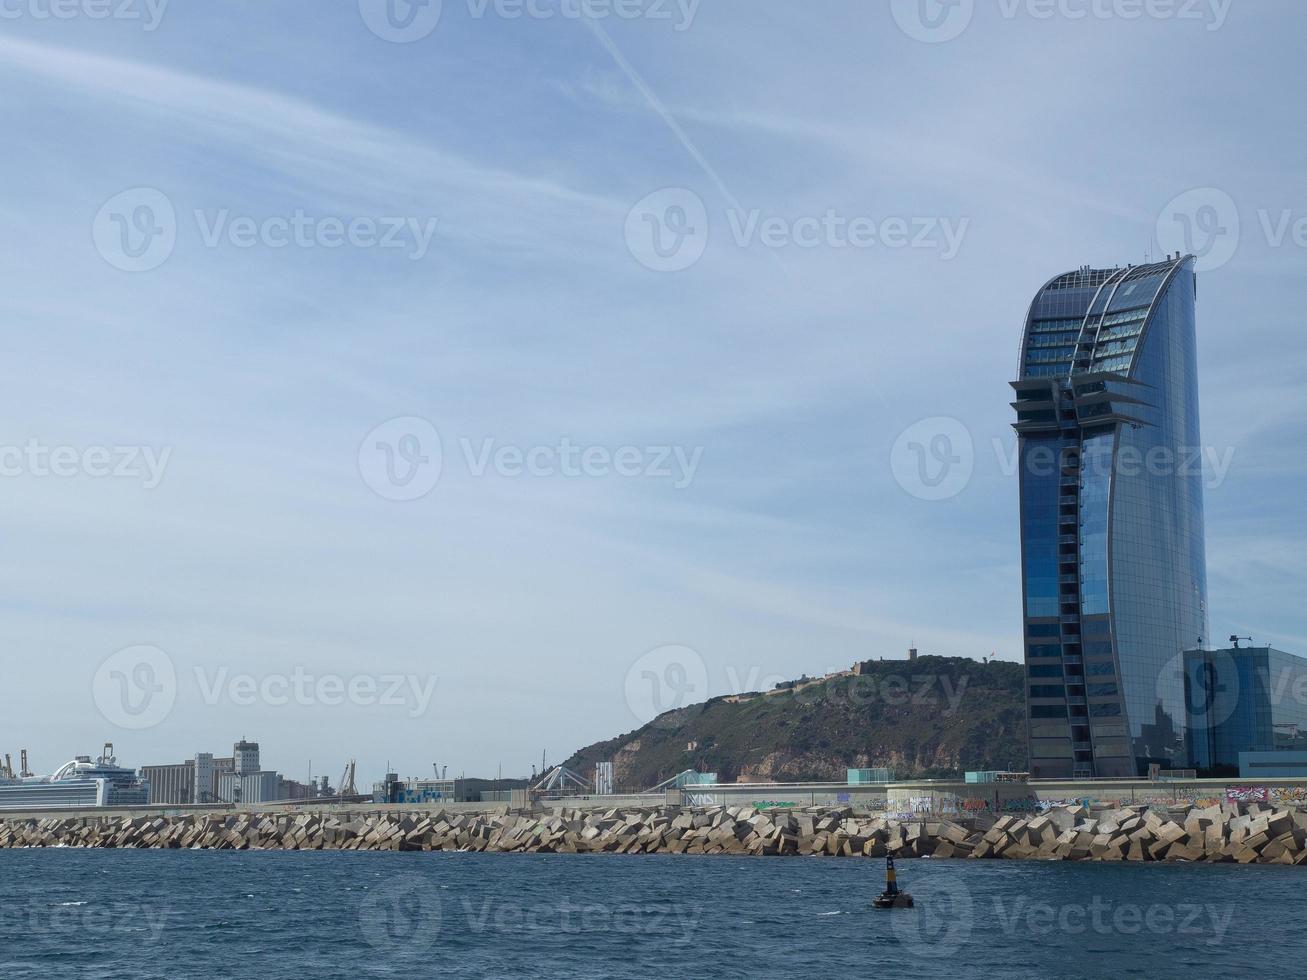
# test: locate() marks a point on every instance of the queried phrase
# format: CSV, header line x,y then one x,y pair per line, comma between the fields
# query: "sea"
x,y
275,915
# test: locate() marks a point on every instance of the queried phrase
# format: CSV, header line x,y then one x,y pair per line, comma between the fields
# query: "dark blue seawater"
x,y
129,915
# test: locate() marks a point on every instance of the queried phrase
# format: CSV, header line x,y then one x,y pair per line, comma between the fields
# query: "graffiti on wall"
x,y
908,807
980,804
1035,804
1050,804
1158,800
1289,794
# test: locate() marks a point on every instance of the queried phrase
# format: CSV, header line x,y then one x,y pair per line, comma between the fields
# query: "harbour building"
x,y
1247,710
170,783
1111,506
193,781
238,778
249,787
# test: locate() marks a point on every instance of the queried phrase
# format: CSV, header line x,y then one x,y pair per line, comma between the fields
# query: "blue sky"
x,y
879,203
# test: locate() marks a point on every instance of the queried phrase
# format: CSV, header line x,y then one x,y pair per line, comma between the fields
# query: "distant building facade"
x,y
292,789
246,756
170,784
1112,529
207,779
180,783
1255,766
863,777
392,789
1246,706
249,787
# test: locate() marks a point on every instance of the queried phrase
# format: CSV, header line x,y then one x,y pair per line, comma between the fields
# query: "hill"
x,y
930,717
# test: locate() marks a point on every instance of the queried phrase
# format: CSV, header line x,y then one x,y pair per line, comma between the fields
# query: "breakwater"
x,y
1244,833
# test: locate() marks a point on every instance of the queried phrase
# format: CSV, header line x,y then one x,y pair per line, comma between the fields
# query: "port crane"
x,y
347,781
7,768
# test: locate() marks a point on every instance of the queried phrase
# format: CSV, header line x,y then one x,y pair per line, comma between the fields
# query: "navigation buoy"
x,y
892,897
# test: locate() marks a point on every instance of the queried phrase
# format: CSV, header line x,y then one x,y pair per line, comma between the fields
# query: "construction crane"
x,y
347,781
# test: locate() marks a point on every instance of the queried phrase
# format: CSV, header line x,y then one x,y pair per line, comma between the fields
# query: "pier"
x,y
1232,832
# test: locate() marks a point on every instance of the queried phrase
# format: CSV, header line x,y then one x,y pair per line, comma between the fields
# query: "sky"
x,y
460,384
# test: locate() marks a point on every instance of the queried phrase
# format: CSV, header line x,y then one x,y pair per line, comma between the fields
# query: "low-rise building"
x,y
392,789
1242,700
860,777
1284,764
249,787
170,784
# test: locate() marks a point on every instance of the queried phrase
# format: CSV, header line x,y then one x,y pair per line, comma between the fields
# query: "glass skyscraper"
x,y
1112,553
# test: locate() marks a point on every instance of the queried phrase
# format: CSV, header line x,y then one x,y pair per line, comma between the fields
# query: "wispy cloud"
x,y
350,163
794,550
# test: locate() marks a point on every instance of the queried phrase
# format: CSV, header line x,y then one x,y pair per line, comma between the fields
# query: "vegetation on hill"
x,y
930,717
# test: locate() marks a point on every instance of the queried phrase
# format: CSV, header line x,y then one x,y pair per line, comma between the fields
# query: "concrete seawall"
x,y
1244,833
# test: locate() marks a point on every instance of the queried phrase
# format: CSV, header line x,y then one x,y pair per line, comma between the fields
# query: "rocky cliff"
x,y
933,716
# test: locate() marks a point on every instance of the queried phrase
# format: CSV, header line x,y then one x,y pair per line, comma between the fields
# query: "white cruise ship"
x,y
76,784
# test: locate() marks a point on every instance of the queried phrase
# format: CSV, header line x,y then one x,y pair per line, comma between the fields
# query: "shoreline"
x,y
1245,833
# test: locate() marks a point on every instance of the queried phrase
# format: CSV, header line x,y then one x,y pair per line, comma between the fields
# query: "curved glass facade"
x,y
1113,560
